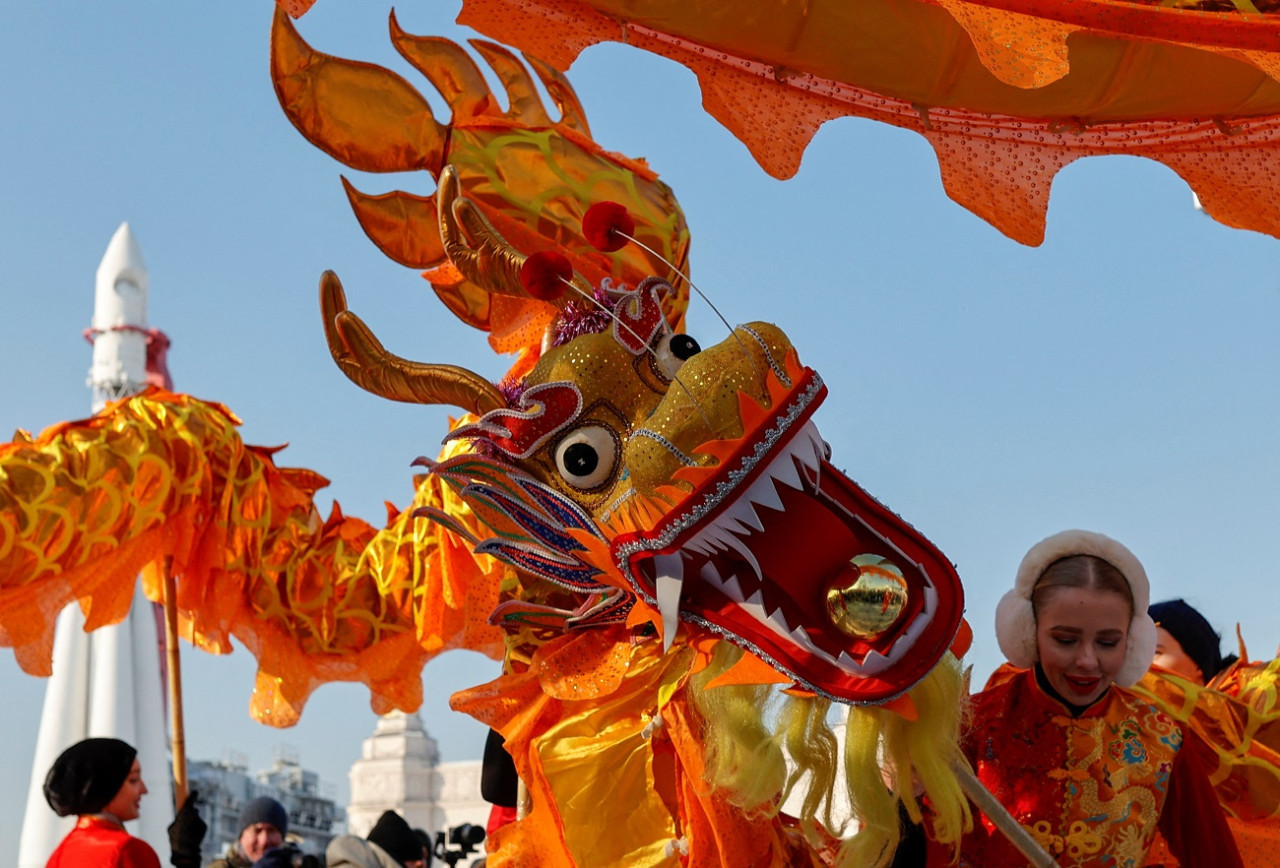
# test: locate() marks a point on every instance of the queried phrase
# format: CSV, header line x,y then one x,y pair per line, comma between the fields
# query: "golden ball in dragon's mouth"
x,y
866,597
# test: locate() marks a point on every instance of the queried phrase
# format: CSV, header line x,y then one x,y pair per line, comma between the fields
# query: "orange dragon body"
x,y
649,533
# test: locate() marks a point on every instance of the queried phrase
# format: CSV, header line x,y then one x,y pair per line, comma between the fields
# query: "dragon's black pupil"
x,y
684,347
581,459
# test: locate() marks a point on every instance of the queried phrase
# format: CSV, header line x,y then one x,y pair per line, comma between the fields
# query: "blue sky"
x,y
1122,377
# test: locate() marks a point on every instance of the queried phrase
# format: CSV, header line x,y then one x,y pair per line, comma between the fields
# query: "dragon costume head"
x,y
640,479
640,482
658,481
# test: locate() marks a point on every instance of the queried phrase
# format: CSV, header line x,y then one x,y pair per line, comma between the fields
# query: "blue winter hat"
x,y
264,809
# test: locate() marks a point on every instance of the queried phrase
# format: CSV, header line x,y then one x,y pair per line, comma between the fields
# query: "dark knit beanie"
x,y
264,809
88,775
394,835
1193,633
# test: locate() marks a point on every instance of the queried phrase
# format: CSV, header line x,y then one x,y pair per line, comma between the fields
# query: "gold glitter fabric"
x,y
602,729
1007,92
162,478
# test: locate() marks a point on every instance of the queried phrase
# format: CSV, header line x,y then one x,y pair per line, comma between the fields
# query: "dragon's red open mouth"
x,y
769,549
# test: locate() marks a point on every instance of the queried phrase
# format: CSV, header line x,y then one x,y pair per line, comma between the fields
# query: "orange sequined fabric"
x,y
586,722
1245,740
1238,716
1008,92
162,478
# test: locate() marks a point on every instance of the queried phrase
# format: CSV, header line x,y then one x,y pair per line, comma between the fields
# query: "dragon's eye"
x,y
586,457
674,350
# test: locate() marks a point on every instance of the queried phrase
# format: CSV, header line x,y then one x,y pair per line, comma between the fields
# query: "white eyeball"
x,y
674,350
586,458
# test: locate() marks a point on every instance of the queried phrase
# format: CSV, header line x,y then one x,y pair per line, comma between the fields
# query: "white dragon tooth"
x,y
740,528
745,515
809,452
848,664
930,600
874,663
755,605
785,471
710,541
764,493
779,619
732,589
710,574
743,549
670,582
802,638
699,544
728,523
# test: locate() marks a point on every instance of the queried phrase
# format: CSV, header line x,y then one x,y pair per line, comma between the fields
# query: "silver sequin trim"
x,y
773,363
663,441
723,489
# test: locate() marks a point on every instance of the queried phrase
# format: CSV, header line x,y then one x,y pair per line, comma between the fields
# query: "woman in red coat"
x,y
99,780
1090,770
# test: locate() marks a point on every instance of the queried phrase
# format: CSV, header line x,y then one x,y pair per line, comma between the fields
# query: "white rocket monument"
x,y
108,682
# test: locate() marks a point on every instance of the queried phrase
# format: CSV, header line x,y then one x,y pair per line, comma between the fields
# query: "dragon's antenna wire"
x,y
605,222
648,349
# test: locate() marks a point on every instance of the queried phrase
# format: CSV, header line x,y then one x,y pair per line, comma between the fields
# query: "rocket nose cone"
x,y
120,296
123,259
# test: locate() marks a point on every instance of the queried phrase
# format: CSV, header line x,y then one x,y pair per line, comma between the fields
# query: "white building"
x,y
400,770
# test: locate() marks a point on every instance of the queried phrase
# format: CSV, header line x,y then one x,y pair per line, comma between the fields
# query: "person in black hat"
x,y
395,836
263,823
1186,644
391,843
99,781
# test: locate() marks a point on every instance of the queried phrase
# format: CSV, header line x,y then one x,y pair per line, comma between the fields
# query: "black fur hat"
x,y
88,775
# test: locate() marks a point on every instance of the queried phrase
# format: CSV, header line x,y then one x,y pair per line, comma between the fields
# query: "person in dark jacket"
x,y
263,823
391,843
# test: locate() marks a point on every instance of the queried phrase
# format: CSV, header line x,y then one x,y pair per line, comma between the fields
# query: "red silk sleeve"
x,y
1192,821
137,853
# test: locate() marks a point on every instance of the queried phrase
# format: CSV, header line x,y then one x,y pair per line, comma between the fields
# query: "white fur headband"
x,y
1015,620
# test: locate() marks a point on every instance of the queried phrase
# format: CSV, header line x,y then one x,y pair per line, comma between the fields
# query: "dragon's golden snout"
x,y
702,405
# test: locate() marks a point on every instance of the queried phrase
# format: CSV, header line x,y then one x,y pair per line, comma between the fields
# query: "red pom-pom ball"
x,y
607,225
544,274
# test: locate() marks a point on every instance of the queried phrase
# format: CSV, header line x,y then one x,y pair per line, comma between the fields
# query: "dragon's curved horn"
x,y
472,244
475,248
368,364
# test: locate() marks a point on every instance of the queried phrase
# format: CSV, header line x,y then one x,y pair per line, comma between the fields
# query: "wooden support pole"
x,y
1003,820
177,735
524,800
